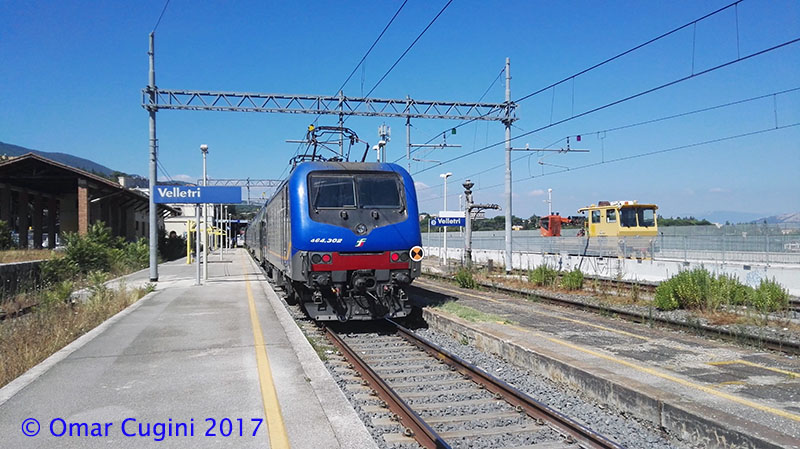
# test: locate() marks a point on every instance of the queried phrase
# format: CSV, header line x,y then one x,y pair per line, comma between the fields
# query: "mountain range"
x,y
68,159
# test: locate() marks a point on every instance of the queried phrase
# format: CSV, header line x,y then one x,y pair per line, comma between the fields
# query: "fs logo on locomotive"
x,y
360,243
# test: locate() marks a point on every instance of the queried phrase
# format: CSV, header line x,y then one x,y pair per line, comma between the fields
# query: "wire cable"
x,y
631,50
161,15
371,47
618,128
641,155
622,100
363,58
466,122
408,49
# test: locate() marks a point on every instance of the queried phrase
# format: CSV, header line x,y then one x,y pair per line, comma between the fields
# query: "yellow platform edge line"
x,y
278,438
654,372
756,365
571,320
644,369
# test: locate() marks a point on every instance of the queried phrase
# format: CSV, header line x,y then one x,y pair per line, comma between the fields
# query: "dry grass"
x,y
721,317
25,255
27,340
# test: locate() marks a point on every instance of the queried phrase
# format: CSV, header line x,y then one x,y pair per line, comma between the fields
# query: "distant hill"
x,y
68,159
723,216
792,217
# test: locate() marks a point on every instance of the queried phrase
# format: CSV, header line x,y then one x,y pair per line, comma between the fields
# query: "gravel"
x,y
621,428
615,425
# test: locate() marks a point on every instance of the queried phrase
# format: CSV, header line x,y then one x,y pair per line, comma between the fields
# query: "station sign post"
x,y
167,194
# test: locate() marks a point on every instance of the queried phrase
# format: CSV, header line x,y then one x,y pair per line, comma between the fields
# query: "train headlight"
x,y
326,258
316,258
361,229
395,257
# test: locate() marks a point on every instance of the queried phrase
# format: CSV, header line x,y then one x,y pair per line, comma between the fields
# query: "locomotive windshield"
x,y
363,190
332,191
378,191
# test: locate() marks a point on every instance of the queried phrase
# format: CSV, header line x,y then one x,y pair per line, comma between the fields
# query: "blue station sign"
x,y
197,195
448,221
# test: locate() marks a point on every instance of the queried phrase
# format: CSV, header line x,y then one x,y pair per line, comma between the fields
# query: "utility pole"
x,y
508,121
151,90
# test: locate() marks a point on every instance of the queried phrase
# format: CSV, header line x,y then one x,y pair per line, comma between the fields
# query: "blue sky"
x,y
73,73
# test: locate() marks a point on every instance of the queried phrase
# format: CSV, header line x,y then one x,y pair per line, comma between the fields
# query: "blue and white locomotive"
x,y
342,238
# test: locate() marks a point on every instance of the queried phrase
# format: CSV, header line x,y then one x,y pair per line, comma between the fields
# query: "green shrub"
x,y
665,298
543,276
769,296
98,250
573,280
58,293
170,248
6,242
58,269
699,289
465,280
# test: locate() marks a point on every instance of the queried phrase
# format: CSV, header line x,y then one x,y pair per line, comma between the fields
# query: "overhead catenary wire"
x,y
639,155
772,95
466,122
360,63
619,101
161,15
363,58
631,50
397,61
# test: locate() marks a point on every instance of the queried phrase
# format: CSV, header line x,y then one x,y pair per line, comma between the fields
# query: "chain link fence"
x,y
756,244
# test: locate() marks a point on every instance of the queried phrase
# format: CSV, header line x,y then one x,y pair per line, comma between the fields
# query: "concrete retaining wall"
x,y
19,276
631,269
689,421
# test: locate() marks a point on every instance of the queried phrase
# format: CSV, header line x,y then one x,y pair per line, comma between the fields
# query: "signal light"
x,y
395,257
326,258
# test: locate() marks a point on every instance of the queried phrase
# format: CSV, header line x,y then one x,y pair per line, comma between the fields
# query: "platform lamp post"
x,y
204,149
444,176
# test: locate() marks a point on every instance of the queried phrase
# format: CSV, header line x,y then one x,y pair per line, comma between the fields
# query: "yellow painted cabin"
x,y
621,219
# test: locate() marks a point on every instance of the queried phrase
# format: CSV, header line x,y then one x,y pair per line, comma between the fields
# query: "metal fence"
x,y
750,246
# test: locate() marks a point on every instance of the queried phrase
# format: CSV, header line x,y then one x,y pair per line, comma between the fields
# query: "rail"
x,y
573,432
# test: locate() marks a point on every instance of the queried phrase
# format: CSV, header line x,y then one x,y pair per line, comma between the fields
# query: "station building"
x,y
40,197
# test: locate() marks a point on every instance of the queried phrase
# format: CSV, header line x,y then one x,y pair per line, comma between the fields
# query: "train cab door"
x,y
286,231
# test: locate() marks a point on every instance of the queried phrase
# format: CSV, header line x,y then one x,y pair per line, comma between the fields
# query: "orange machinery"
x,y
551,225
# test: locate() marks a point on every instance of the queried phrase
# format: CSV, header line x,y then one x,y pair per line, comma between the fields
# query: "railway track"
x,y
442,401
774,344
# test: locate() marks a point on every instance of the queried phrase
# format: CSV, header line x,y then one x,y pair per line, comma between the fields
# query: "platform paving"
x,y
712,393
186,354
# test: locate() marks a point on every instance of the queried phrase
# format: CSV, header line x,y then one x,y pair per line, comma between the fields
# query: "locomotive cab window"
x,y
595,216
611,216
378,191
332,192
363,190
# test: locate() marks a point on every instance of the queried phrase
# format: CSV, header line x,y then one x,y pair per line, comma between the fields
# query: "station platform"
x,y
216,365
706,392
